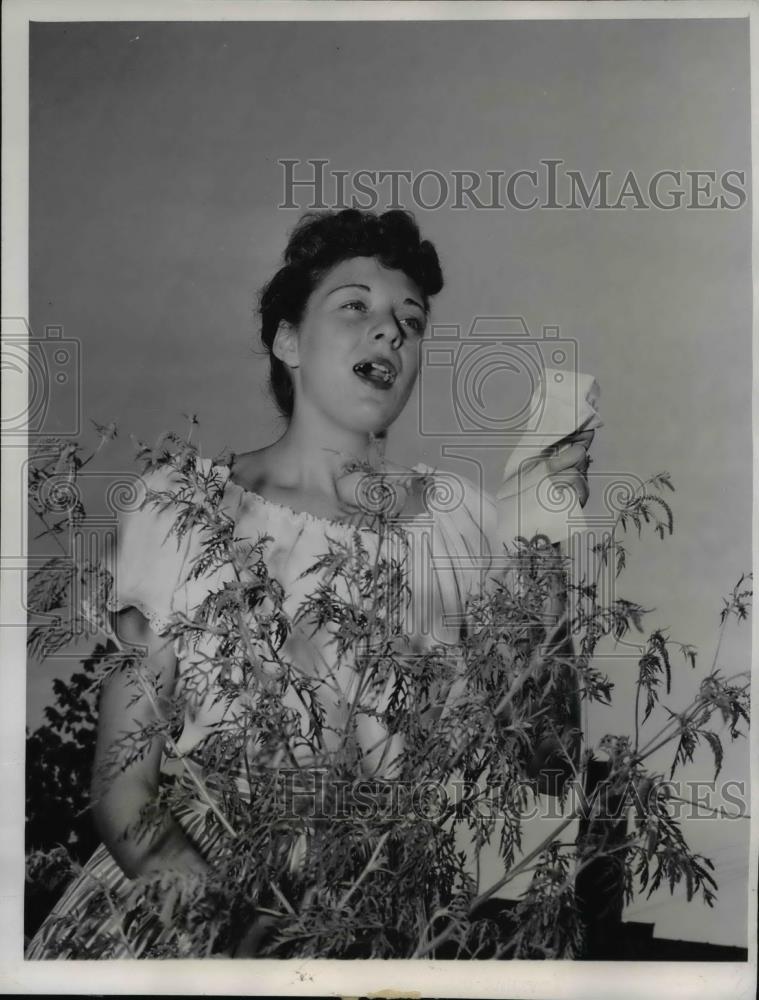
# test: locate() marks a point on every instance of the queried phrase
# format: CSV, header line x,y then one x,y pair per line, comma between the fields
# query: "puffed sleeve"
x,y
148,561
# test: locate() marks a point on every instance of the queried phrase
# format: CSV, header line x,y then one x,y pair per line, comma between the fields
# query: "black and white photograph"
x,y
377,487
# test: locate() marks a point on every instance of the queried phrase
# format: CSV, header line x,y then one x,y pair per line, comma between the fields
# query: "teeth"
x,y
383,371
376,369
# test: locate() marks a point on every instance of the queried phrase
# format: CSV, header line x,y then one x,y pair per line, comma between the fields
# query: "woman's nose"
x,y
388,329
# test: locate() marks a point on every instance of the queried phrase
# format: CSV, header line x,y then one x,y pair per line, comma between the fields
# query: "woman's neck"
x,y
311,458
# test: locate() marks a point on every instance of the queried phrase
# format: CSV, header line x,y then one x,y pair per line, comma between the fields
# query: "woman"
x,y
343,322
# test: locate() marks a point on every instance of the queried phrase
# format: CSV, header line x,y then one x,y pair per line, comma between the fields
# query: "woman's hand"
x,y
570,463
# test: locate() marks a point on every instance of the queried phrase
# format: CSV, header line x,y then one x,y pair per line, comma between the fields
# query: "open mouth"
x,y
377,373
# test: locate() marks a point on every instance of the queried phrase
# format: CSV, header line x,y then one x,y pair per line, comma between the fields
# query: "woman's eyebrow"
x,y
366,288
351,284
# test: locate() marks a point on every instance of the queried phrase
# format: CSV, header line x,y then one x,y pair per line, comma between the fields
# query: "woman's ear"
x,y
285,344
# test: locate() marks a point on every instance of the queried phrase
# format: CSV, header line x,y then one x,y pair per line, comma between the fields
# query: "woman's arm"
x,y
119,795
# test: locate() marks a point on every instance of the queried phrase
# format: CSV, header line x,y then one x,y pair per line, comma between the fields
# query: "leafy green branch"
x,y
368,716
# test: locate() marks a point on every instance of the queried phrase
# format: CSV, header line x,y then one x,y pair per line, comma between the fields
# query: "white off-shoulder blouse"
x,y
447,549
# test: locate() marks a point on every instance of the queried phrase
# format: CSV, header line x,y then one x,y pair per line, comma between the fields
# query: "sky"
x,y
154,221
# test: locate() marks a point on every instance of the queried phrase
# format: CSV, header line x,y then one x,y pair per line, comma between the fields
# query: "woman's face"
x,y
355,355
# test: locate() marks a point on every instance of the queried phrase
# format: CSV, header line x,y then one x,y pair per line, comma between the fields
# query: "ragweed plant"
x,y
324,842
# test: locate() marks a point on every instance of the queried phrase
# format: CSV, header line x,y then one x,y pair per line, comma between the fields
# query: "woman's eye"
x,y
356,304
414,323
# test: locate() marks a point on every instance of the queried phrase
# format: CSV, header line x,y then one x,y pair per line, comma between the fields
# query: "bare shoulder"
x,y
250,469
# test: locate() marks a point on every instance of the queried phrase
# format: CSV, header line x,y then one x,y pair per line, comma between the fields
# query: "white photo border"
x,y
259,977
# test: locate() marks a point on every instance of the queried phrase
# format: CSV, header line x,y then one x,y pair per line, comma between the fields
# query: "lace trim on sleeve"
x,y
159,624
93,613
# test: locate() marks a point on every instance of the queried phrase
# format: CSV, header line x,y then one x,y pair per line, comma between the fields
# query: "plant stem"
x,y
368,868
194,778
443,936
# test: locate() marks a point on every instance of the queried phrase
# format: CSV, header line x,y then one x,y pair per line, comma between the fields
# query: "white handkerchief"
x,y
561,405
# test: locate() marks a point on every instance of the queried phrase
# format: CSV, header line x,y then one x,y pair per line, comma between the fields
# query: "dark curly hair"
x,y
319,242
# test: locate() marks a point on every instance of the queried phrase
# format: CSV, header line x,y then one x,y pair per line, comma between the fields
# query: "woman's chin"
x,y
372,419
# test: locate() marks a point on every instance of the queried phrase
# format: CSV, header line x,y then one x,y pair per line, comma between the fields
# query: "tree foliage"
x,y
337,865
